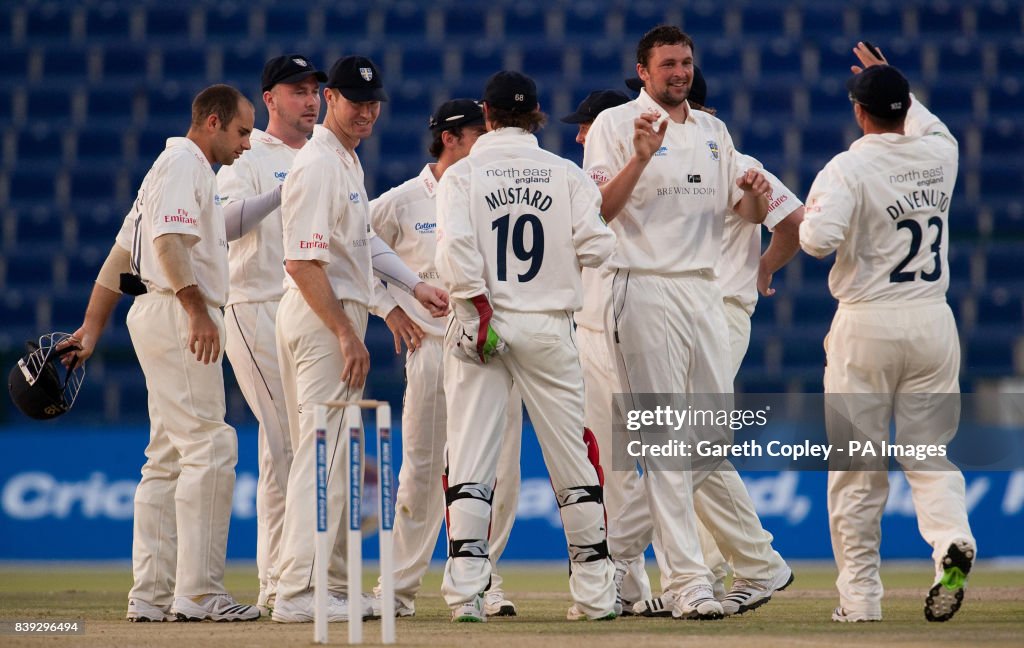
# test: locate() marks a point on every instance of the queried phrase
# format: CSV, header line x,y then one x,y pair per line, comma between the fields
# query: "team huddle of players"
x,y
514,277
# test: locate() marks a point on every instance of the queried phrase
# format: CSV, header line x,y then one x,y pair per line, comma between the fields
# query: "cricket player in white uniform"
x,y
883,208
328,245
629,524
171,253
250,194
668,188
515,223
406,219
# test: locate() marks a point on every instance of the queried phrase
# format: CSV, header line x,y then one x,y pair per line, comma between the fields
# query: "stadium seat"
x,y
721,61
40,147
1002,267
424,64
100,145
14,67
1000,308
407,22
640,17
997,18
959,61
826,140
763,139
112,105
149,143
990,352
227,23
1006,98
466,23
1008,221
525,23
763,22
48,23
125,63
702,21
287,24
953,103
1010,57
882,23
62,63
781,60
89,185
546,63
29,188
584,23
822,21
345,21
243,64
107,21
169,107
1003,139
941,20
40,232
185,64
803,352
168,23
50,104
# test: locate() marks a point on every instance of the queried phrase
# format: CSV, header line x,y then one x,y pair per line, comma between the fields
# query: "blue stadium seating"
x,y
1000,308
466,23
584,23
959,61
287,23
702,21
168,22
50,104
49,24
821,21
407,21
61,64
227,23
1010,57
639,17
111,105
422,64
189,64
29,188
941,19
107,21
721,61
1000,19
125,62
882,23
40,147
763,22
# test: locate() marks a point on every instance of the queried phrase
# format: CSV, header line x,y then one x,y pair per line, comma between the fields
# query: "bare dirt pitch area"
x,y
993,614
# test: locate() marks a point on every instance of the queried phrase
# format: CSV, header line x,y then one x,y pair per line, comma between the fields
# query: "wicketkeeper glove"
x,y
474,336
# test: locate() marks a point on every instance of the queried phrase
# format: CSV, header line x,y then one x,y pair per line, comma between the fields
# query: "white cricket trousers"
x,y
900,354
419,502
311,364
672,338
252,349
183,502
625,495
543,362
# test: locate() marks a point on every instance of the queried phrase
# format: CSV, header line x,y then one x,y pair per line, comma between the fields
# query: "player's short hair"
x,y
660,35
437,145
531,122
221,100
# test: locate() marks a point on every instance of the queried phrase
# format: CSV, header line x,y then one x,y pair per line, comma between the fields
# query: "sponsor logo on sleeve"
x,y
600,176
181,216
280,175
318,243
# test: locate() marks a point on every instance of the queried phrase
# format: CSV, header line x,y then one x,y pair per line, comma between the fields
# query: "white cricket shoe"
x,y
751,594
401,610
842,615
299,609
495,604
946,595
576,614
215,607
471,611
140,611
659,606
697,602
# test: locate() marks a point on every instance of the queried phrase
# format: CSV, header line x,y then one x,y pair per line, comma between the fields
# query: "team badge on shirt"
x,y
713,147
354,197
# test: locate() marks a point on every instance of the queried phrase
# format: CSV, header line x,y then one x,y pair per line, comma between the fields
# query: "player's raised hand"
x,y
357,359
82,343
648,134
433,298
753,181
868,55
404,330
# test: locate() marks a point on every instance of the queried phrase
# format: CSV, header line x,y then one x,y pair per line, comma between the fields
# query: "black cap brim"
x,y
300,76
577,118
361,95
635,84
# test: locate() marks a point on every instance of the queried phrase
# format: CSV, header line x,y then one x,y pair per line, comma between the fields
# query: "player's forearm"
x,y
387,266
752,207
102,303
243,216
616,192
785,243
311,278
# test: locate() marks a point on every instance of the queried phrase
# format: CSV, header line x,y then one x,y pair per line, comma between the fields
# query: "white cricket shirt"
x,y
517,222
256,259
325,217
741,240
883,207
405,218
179,196
672,222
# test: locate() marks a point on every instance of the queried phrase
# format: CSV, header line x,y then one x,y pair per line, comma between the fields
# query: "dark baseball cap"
x,y
591,107
698,87
882,90
357,78
455,114
510,90
290,68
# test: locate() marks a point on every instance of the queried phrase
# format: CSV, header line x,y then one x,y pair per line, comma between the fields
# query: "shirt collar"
x,y
647,103
263,137
330,139
192,147
503,137
428,181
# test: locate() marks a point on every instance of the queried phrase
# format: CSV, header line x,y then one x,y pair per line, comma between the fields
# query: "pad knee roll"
x,y
582,511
